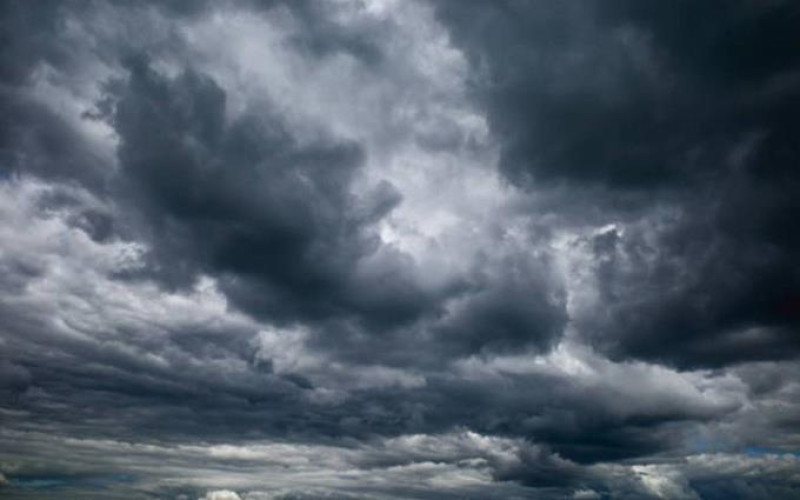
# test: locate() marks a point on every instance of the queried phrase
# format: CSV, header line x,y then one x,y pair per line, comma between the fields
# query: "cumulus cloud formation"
x,y
399,249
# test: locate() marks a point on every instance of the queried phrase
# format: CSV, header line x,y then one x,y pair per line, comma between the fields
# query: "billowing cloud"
x,y
384,249
675,123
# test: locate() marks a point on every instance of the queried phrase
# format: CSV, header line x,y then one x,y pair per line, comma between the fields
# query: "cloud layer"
x,y
399,250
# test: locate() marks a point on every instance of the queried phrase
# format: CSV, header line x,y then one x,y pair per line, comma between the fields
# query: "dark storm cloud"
x,y
270,214
35,140
273,217
692,104
251,202
196,379
706,298
210,290
261,204
518,308
631,94
27,33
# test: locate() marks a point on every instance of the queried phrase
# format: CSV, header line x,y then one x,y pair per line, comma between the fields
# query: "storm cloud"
x,y
384,249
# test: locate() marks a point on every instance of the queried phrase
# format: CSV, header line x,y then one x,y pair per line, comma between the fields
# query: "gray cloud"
x,y
398,250
666,116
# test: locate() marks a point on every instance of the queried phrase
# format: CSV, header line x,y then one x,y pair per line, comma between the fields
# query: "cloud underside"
x,y
399,250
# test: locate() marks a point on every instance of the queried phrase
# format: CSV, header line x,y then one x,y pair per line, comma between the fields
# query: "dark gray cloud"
x,y
262,205
630,94
687,112
398,250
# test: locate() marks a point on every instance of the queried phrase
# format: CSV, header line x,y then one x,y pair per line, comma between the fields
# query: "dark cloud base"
x,y
690,103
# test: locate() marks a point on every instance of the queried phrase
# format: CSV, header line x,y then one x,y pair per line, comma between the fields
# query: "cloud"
x,y
274,213
678,136
221,495
390,249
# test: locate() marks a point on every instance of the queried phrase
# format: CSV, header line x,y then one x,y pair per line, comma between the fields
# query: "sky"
x,y
399,249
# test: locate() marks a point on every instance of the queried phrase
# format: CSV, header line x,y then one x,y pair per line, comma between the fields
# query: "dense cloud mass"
x,y
399,249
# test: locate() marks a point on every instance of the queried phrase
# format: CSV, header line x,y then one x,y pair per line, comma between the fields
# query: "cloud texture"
x,y
385,249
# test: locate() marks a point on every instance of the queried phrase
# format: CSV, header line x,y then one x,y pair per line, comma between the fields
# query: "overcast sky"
x,y
400,249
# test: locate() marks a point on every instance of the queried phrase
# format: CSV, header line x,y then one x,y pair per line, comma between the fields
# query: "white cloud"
x,y
221,495
664,482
